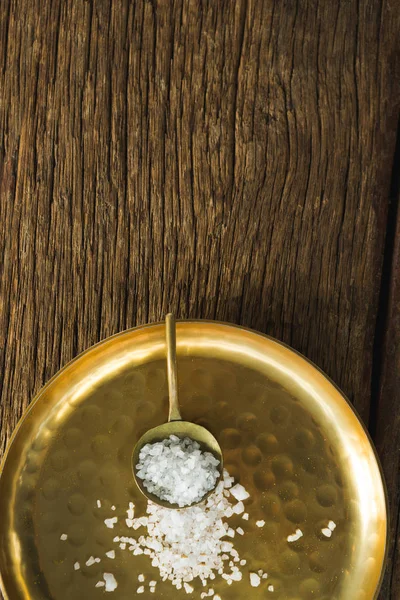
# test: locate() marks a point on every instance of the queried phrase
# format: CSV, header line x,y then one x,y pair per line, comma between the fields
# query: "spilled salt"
x,y
110,581
255,580
295,536
111,522
189,544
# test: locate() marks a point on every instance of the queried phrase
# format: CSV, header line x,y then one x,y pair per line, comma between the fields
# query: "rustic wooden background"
x,y
223,159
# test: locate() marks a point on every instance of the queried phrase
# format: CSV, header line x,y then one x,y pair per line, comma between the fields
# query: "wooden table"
x,y
226,160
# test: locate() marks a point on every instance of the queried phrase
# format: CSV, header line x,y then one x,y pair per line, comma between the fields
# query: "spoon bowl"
x,y
181,429
175,425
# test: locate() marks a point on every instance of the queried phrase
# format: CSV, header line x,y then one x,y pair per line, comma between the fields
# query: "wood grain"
x,y
387,429
225,160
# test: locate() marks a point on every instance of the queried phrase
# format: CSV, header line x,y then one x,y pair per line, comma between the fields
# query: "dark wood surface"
x,y
385,426
225,160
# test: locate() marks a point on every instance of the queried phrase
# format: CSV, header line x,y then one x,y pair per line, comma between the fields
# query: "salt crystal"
x,y
111,582
295,536
100,584
98,504
77,566
113,507
255,579
245,516
141,577
63,537
226,546
90,561
110,554
270,588
332,525
131,511
260,523
111,522
327,532
238,508
239,492
239,530
188,588
140,590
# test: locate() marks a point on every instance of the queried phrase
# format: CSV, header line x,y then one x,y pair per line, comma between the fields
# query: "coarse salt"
x,y
239,492
326,532
238,508
295,536
260,523
191,543
111,522
110,581
177,470
255,580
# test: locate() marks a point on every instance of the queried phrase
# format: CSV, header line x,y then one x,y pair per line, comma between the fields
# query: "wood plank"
x,y
226,160
387,427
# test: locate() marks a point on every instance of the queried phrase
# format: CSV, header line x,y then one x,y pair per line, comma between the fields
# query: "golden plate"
x,y
288,434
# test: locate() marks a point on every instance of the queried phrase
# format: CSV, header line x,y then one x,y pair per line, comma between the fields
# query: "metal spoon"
x,y
175,426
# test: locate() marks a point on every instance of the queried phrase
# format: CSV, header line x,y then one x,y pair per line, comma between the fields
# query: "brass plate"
x,y
287,432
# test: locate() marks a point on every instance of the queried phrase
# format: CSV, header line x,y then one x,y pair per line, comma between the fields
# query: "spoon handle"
x,y
174,412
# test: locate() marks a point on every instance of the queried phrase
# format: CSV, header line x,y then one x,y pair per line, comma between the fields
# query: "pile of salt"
x,y
176,470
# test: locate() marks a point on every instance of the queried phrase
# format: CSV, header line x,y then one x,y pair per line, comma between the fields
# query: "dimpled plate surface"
x,y
287,434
